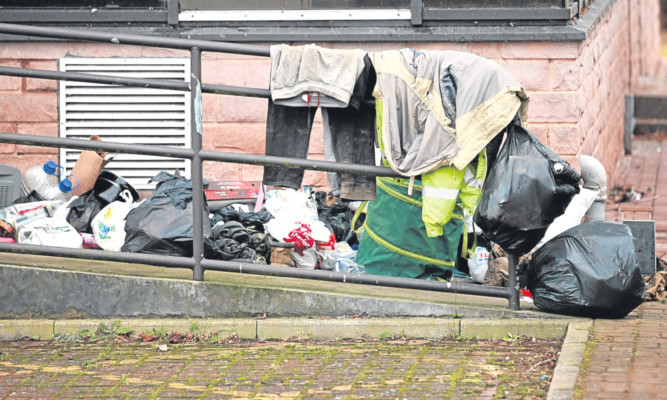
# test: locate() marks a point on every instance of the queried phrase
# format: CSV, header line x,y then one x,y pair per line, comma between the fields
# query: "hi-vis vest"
x,y
442,187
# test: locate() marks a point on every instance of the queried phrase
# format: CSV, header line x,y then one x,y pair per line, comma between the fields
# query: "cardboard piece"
x,y
87,168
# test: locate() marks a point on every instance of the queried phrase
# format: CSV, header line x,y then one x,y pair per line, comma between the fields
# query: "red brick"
x,y
554,107
566,75
532,74
573,161
317,179
210,107
316,145
546,50
230,73
25,161
258,73
564,139
42,107
252,172
10,82
540,131
50,130
244,138
210,135
7,148
219,171
585,124
486,50
242,109
42,84
586,58
34,50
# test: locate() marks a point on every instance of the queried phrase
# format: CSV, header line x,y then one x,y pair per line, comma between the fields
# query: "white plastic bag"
x,y
109,225
308,259
50,232
573,215
281,229
479,264
297,204
342,250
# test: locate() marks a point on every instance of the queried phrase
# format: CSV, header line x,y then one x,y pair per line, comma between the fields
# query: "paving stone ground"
x,y
625,359
515,368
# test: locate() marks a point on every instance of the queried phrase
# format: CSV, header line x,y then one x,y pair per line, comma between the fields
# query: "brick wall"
x,y
577,90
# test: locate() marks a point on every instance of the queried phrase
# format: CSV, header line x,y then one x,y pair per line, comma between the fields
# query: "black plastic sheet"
x,y
83,209
29,198
250,219
163,223
590,270
527,188
337,215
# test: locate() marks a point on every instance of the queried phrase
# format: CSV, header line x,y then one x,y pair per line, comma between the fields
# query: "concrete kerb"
x,y
571,355
302,328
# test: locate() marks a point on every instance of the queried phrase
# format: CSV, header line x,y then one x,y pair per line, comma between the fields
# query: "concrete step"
x,y
55,287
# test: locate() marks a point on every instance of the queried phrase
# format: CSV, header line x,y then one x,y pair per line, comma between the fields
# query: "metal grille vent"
x,y
127,114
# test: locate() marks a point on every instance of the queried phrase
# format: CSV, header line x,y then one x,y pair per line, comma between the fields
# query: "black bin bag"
x,y
527,188
590,270
163,223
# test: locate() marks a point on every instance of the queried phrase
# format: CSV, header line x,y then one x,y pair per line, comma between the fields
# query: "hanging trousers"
x,y
349,137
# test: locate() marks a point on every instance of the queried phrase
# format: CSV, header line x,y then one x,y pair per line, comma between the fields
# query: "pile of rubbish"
x,y
465,201
287,227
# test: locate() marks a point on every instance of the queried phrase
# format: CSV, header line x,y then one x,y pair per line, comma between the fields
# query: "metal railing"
x,y
197,156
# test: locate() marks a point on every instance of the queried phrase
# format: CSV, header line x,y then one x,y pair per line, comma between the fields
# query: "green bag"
x,y
394,241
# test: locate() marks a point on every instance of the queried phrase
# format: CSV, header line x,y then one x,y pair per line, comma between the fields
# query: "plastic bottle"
x,y
44,179
479,264
349,266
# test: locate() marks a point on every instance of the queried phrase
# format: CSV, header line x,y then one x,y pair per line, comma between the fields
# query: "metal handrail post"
x,y
196,163
513,279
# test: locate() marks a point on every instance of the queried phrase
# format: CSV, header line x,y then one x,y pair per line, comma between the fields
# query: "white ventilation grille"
x,y
127,114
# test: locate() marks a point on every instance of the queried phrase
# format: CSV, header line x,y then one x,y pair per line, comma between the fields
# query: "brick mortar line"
x,y
567,369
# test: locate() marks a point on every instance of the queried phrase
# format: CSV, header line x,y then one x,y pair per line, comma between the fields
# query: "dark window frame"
x,y
480,12
423,24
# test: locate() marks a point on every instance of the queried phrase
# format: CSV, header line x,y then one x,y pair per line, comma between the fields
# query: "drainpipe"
x,y
595,178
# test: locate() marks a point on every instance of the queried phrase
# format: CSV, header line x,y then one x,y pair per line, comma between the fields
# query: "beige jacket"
x,y
417,135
